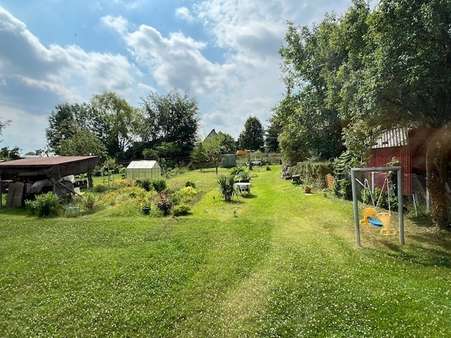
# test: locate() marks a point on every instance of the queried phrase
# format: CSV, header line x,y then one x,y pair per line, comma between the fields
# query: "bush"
x,y
240,174
226,187
164,204
100,188
184,195
44,205
313,173
182,210
147,185
159,185
190,184
89,201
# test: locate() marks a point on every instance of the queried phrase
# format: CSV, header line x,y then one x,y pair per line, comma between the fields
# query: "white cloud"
x,y
175,61
184,13
35,77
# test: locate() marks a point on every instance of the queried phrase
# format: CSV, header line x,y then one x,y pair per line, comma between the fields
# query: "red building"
x,y
408,146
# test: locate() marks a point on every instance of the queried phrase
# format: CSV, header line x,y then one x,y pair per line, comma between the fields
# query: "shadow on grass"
x,y
248,196
422,250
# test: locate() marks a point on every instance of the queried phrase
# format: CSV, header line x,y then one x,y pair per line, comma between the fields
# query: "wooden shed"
x,y
143,170
408,146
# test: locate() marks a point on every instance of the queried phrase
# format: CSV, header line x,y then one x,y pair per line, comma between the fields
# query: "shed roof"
x,y
396,137
143,165
55,166
44,161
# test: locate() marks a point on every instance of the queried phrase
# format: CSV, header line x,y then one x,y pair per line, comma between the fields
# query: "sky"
x,y
224,53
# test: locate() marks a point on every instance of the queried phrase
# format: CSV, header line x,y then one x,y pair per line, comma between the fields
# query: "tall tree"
x,y
83,142
64,122
170,119
272,134
114,122
251,137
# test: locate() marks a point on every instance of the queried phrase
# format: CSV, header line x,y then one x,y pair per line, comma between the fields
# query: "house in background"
x,y
211,134
408,146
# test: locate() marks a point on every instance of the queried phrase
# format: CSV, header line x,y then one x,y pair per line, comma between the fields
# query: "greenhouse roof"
x,y
143,165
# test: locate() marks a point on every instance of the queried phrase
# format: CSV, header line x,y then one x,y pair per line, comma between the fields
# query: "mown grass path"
x,y
278,264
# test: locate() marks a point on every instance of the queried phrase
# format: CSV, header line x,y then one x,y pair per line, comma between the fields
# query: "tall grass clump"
x,y
44,205
226,187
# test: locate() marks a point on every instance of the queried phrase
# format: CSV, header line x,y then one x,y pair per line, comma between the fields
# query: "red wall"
x,y
380,158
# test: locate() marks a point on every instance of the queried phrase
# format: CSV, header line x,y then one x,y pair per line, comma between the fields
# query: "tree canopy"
x,y
252,137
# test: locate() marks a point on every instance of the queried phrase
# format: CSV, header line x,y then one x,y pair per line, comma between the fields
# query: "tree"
x,y
199,155
9,154
251,137
227,143
170,119
114,122
64,122
83,142
272,134
213,150
407,80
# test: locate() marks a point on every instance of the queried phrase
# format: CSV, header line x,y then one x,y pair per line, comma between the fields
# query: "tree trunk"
x,y
437,172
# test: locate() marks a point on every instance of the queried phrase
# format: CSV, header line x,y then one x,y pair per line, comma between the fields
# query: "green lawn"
x,y
278,264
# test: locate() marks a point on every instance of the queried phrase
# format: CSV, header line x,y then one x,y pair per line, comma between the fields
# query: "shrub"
x,y
89,201
100,188
44,205
226,187
190,184
159,185
268,168
184,195
164,204
182,210
313,173
147,185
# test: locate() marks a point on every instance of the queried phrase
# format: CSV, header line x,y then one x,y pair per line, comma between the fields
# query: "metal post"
x,y
355,205
400,208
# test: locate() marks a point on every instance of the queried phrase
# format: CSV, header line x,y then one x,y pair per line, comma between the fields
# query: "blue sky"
x,y
222,52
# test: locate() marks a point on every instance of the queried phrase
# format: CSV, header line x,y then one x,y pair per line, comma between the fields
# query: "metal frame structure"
x,y
356,201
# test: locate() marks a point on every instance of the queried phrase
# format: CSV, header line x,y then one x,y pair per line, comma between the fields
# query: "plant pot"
x,y
308,190
146,210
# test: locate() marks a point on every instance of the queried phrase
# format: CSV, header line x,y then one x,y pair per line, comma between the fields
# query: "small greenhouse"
x,y
143,170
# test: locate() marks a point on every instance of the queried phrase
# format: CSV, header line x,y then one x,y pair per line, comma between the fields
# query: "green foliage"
x,y
82,142
164,204
313,173
252,138
100,188
150,154
226,187
44,205
8,154
185,195
88,202
147,185
170,124
64,122
272,135
159,185
190,184
342,174
181,210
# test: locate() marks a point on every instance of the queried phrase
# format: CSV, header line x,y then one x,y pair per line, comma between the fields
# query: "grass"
x,y
279,264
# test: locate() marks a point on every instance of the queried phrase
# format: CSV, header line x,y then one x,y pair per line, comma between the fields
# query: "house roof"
x,y
396,137
212,133
143,165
